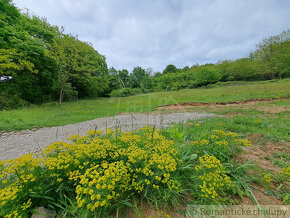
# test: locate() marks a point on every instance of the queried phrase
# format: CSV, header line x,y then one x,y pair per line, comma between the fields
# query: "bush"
x,y
11,101
205,76
125,92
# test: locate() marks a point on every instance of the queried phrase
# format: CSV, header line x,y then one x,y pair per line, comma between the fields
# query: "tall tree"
x,y
170,69
80,68
136,77
272,52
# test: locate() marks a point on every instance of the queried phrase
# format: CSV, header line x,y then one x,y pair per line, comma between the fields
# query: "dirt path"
x,y
16,144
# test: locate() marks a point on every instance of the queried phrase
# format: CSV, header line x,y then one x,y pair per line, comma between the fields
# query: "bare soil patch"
x,y
274,109
147,211
261,197
258,155
202,104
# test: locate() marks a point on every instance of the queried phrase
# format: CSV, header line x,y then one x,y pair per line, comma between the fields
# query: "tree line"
x,y
270,60
40,63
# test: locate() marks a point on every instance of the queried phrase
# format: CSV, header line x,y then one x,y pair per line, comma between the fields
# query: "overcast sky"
x,y
155,33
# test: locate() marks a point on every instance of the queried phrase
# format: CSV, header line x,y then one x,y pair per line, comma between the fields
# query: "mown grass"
x,y
53,114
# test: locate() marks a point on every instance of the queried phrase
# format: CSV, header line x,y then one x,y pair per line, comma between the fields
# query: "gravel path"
x,y
16,144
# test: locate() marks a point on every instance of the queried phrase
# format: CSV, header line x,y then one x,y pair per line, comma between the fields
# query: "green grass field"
x,y
54,114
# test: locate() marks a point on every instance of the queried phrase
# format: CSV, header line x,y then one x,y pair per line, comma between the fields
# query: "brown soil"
x,y
274,109
147,211
261,197
258,155
202,104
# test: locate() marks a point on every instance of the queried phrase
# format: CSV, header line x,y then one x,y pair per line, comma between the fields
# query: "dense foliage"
x,y
95,174
45,64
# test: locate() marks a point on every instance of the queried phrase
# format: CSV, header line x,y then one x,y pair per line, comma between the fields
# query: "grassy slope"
x,y
252,119
73,112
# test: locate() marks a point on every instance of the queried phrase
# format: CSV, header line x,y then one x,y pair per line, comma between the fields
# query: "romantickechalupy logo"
x,y
237,211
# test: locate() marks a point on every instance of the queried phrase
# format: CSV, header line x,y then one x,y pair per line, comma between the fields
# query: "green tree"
x,y
13,63
124,77
80,68
114,81
273,53
170,69
205,75
243,69
136,77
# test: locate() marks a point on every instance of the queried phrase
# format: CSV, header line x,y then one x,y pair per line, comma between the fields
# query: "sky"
x,y
155,33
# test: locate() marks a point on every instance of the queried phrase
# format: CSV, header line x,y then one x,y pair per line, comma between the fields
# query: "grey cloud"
x,y
154,33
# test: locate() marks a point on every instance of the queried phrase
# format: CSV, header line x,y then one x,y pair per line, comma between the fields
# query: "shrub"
x,y
205,76
125,92
11,101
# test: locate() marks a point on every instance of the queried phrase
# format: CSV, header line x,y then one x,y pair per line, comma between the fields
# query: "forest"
x,y
39,63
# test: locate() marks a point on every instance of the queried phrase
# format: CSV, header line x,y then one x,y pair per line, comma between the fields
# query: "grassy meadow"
x,y
53,114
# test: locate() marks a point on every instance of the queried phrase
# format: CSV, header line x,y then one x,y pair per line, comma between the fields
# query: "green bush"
x,y
125,92
205,76
11,101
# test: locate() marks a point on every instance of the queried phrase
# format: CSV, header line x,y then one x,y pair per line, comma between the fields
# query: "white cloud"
x,y
159,32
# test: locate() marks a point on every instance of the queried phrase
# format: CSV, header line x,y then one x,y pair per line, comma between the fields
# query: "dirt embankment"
x,y
276,109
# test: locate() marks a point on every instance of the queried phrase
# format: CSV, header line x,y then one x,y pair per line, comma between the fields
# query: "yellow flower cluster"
x,y
286,172
267,178
214,137
221,139
73,137
103,166
220,143
109,131
27,177
13,166
211,178
14,176
26,204
243,142
102,183
222,133
94,132
9,193
208,161
14,214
